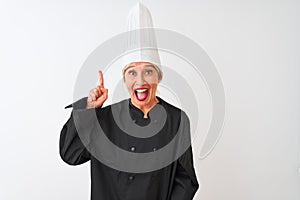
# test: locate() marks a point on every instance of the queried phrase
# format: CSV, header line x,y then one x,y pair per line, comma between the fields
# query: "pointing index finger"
x,y
101,81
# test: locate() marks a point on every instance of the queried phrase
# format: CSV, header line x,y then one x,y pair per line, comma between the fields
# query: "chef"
x,y
142,74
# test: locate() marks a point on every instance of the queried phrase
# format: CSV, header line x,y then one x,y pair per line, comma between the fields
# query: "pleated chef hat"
x,y
141,41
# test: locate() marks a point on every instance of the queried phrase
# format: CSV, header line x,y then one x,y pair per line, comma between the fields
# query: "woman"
x,y
177,181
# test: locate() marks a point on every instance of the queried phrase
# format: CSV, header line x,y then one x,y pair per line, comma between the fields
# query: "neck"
x,y
146,108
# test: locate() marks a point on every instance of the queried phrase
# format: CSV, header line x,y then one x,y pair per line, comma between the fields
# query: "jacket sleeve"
x,y
185,183
71,148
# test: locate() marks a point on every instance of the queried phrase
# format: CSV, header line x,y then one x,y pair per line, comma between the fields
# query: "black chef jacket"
x,y
177,181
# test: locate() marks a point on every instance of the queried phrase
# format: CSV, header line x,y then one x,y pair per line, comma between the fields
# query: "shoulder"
x,y
167,105
171,108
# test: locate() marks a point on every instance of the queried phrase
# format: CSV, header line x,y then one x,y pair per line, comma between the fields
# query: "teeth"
x,y
141,90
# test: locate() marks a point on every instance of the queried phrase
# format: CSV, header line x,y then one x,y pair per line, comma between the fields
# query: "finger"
x,y
101,80
99,88
105,93
92,95
96,92
103,97
103,90
99,92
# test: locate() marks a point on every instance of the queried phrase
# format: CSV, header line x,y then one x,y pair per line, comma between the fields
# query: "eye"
x,y
148,72
131,72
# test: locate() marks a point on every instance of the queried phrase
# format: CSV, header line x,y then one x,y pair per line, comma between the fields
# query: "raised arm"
x,y
72,149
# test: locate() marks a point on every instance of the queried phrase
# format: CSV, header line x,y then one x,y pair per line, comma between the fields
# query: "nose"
x,y
140,79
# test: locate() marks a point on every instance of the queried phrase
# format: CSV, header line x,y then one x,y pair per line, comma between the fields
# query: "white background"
x,y
254,44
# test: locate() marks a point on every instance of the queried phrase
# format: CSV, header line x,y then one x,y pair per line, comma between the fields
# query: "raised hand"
x,y
97,95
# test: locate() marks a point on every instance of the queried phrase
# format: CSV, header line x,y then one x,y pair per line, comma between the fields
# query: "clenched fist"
x,y
98,95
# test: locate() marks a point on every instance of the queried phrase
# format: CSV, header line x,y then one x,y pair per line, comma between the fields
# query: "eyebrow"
x,y
146,65
149,65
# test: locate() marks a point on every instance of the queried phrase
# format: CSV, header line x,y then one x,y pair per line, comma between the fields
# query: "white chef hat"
x,y
141,41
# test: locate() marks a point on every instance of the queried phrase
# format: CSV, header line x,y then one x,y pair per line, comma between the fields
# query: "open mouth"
x,y
141,93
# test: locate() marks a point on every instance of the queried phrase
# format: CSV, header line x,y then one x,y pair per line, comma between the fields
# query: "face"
x,y
141,79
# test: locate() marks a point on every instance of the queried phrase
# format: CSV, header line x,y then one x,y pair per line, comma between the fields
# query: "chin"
x,y
139,103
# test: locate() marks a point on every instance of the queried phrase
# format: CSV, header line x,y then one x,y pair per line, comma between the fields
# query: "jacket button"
x,y
132,149
131,178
